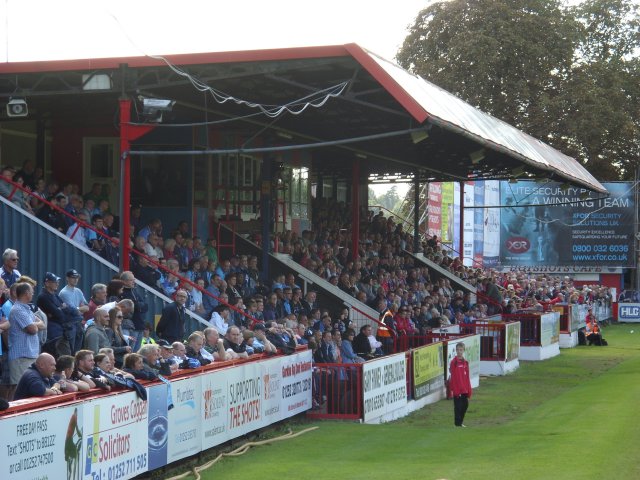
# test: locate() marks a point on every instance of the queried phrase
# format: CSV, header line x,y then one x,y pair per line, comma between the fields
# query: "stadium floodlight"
x,y
153,108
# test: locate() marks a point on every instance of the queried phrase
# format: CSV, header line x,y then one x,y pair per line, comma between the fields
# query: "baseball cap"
x,y
73,273
51,277
164,344
259,326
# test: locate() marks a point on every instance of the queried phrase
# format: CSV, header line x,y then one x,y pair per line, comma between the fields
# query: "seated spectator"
x,y
109,353
260,342
151,358
77,231
37,380
233,344
195,343
116,338
134,365
361,344
346,348
283,338
64,370
248,337
219,319
213,349
85,371
180,354
167,357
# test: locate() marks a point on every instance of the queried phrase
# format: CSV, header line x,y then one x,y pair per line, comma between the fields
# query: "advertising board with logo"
x,y
546,224
45,444
549,328
115,437
295,385
629,312
428,369
185,422
384,385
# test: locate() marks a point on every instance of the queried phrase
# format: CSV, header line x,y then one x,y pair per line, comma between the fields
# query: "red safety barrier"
x,y
492,339
529,328
337,391
403,343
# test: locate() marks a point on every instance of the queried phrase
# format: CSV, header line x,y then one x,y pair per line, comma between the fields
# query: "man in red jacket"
x,y
460,385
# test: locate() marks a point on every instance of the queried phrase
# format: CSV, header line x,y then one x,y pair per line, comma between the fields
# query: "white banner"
x,y
115,431
45,444
468,224
185,419
253,395
384,383
296,384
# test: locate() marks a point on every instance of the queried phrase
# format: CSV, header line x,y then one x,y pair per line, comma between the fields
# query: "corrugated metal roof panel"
x,y
448,111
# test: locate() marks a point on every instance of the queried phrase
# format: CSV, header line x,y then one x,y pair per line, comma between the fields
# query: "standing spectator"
x,y
23,335
37,380
139,307
460,385
61,328
115,288
98,298
171,324
96,336
72,295
9,271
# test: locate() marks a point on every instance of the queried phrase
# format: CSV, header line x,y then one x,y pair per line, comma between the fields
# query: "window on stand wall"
x,y
300,193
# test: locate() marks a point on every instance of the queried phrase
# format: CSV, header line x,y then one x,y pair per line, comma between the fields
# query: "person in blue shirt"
x,y
37,380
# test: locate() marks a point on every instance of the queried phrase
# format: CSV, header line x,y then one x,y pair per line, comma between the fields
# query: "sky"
x,y
45,29
33,30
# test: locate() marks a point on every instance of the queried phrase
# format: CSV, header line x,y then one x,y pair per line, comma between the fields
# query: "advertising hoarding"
x,y
512,341
434,209
545,224
384,385
549,328
39,444
428,369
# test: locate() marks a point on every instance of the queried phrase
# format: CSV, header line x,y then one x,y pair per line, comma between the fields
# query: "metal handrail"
x,y
111,239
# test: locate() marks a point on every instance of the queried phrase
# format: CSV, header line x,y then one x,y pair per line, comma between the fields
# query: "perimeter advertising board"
x,y
512,341
629,312
115,437
578,316
45,444
238,400
544,224
471,353
384,385
428,369
549,328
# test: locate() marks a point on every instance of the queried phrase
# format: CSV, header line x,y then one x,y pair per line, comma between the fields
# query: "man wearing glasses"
x,y
9,272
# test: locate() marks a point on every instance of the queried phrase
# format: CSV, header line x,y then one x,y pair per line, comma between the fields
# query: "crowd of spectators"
x,y
245,314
